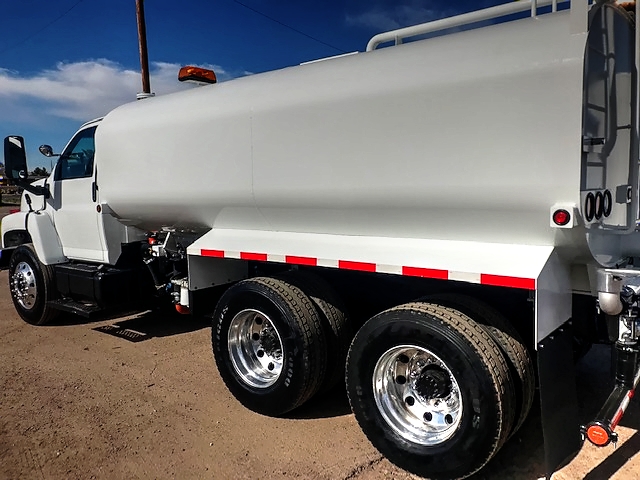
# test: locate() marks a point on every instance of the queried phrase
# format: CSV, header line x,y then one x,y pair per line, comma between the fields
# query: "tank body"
x,y
468,136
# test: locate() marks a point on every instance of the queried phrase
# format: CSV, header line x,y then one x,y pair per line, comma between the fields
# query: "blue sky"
x,y
64,62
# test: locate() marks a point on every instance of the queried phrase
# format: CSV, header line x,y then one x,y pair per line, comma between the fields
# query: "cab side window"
x,y
77,159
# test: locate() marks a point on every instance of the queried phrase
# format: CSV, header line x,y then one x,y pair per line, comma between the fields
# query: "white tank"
x,y
469,136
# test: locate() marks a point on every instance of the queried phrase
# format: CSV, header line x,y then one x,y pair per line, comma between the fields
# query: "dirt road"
x,y
89,400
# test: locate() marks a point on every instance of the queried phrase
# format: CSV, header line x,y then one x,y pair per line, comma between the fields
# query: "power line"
x,y
24,40
288,26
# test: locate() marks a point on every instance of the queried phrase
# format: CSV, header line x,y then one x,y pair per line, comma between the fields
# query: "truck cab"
x,y
73,241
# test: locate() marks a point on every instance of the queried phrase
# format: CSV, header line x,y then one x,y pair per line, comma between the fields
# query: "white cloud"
x,y
84,90
384,17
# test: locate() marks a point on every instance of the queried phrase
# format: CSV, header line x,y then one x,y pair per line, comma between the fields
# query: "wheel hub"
x,y
270,342
23,286
417,395
433,382
255,348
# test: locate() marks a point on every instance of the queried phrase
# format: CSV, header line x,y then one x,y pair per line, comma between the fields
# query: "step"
x,y
78,308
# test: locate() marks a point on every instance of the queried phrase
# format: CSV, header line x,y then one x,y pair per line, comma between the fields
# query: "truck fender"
x,y
45,238
14,230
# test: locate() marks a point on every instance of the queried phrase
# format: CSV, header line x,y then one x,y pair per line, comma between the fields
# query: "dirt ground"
x,y
91,400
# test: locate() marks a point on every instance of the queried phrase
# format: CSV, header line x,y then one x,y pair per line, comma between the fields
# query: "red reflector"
x,y
425,272
362,266
14,210
259,257
597,435
212,253
561,217
301,260
512,282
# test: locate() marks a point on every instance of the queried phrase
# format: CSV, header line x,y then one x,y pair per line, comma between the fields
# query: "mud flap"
x,y
5,256
558,398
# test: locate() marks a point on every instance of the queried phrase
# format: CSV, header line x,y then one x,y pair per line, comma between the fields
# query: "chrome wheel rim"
x,y
417,395
255,348
23,285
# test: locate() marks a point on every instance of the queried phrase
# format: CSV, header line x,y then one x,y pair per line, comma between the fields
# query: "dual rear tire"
x,y
435,391
278,341
431,390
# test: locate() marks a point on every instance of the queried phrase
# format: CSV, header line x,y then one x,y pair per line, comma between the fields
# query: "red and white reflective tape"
x,y
480,278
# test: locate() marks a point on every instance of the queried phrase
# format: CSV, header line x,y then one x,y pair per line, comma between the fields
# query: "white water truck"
x,y
430,216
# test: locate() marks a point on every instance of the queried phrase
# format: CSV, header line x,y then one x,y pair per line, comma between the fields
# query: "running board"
x,y
77,308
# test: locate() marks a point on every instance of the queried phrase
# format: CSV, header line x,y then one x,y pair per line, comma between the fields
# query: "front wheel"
x,y
431,390
31,286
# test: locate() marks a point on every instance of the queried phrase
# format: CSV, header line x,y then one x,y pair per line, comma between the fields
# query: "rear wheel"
x,y
430,389
31,285
268,345
509,341
336,324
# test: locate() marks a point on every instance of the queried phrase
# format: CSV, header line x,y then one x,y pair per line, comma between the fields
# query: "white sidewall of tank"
x,y
471,134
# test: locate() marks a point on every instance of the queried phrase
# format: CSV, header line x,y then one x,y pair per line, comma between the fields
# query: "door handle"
x,y
94,191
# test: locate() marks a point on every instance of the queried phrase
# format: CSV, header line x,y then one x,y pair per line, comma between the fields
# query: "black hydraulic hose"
x,y
150,263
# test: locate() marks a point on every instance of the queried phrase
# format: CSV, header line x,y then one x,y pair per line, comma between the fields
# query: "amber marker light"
x,y
197,74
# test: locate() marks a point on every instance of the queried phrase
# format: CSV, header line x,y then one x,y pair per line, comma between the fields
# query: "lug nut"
x,y
401,380
410,401
427,417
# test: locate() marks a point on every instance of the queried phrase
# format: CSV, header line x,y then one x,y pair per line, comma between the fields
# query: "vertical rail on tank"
x,y
534,8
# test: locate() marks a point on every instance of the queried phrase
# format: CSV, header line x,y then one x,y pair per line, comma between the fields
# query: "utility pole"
x,y
144,57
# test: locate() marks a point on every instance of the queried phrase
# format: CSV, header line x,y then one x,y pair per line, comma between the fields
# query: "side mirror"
x,y
15,166
15,158
46,150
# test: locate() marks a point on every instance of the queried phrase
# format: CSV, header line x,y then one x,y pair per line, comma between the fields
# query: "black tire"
x,y
31,285
291,336
509,341
336,325
476,368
